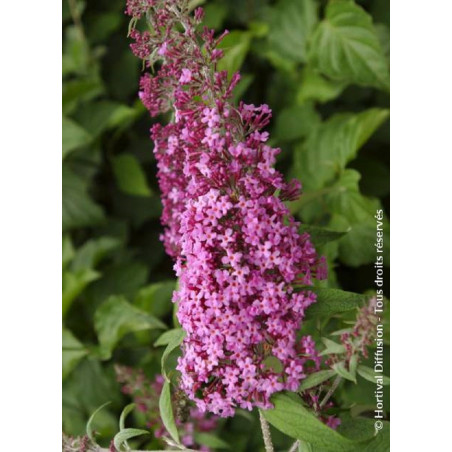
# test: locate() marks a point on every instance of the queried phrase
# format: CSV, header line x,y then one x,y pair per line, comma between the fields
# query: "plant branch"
x,y
294,447
331,391
266,433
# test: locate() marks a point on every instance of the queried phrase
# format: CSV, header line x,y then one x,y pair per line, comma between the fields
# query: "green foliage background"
x,y
323,69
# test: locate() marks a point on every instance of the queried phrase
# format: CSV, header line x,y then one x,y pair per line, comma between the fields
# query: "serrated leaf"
x,y
73,352
320,236
74,136
128,433
333,301
74,283
345,46
166,411
316,379
293,419
89,428
115,318
315,87
290,24
333,144
348,202
79,210
296,122
370,375
130,176
343,372
357,212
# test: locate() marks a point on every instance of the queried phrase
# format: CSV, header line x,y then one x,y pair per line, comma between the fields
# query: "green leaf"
x,y
240,89
315,87
73,352
320,236
343,372
74,283
334,143
353,364
99,116
89,428
290,24
362,428
128,433
235,46
79,210
93,252
122,419
115,318
332,348
156,298
334,301
169,336
130,176
89,385
79,90
304,446
125,412
74,136
166,411
346,47
293,419
174,340
67,250
210,440
316,379
273,363
357,212
382,31
76,52
214,15
124,278
370,375
295,123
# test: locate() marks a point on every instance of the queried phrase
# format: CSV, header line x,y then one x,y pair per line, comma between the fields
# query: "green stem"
x,y
331,391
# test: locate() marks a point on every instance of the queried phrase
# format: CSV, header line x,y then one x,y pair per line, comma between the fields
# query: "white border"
x,y
421,175
30,190
30,187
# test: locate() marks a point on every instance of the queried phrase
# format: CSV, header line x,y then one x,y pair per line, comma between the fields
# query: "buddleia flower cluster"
x,y
237,250
146,393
